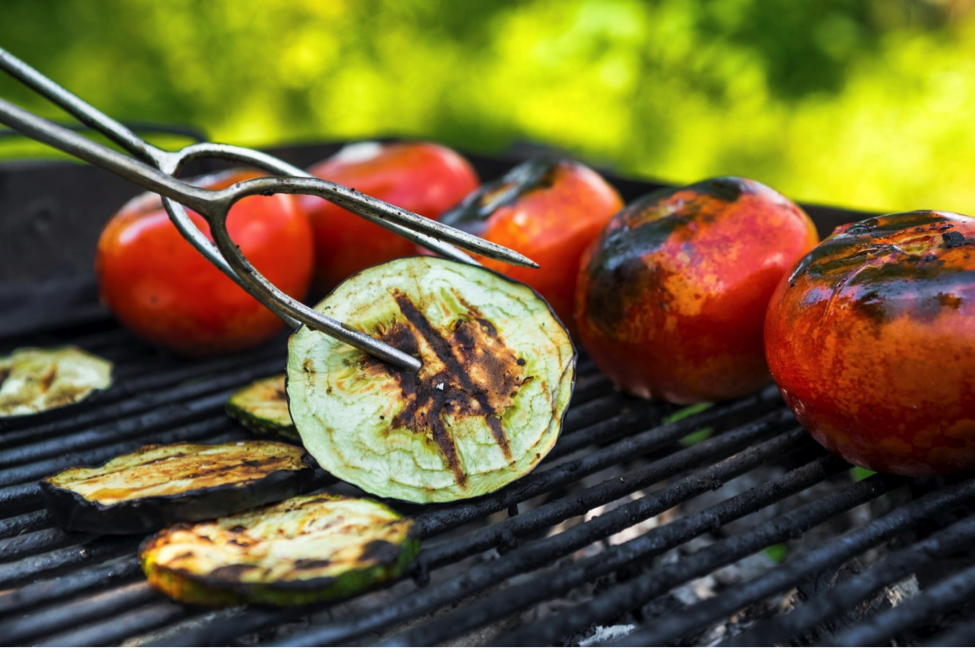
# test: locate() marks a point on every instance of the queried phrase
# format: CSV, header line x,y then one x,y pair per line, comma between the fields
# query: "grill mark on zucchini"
x,y
33,380
324,547
159,485
479,377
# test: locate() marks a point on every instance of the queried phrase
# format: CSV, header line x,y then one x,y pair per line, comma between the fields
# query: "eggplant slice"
x,y
36,380
298,551
262,407
159,485
487,406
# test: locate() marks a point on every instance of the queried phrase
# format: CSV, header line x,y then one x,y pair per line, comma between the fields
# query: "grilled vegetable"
x,y
262,407
498,370
36,380
159,485
302,550
871,340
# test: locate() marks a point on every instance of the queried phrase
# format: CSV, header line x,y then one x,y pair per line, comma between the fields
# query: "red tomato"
x,y
420,177
165,291
871,341
672,296
548,209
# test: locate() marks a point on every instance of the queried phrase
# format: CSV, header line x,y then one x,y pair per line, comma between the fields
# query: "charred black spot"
x,y
312,563
380,551
237,529
477,378
955,239
231,573
536,174
521,362
728,189
306,366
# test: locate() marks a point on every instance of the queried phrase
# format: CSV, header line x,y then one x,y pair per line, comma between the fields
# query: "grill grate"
x,y
620,517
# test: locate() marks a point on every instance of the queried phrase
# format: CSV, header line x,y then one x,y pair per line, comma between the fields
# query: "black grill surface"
x,y
633,530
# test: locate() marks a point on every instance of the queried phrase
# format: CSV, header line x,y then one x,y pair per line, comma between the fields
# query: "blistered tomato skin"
x,y
166,292
420,177
871,341
550,210
672,296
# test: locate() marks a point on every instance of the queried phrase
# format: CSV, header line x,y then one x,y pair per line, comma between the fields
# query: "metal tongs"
x,y
155,169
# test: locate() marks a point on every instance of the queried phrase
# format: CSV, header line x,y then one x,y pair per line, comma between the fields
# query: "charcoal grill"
x,y
611,534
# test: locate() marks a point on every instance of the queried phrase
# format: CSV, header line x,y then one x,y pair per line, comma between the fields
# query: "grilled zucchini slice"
x,y
36,380
159,485
302,550
262,407
487,406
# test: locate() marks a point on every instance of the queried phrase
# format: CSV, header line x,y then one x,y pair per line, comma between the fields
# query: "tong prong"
x,y
159,176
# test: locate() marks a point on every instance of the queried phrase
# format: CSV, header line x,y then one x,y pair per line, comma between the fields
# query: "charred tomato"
x,y
165,291
871,341
672,296
420,177
549,209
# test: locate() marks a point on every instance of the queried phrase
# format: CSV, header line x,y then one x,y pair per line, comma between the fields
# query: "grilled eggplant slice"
x,y
37,380
159,485
262,407
487,406
298,551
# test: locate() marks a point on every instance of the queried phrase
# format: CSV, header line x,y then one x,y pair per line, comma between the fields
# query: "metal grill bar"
x,y
45,591
36,541
630,447
506,532
961,635
121,626
629,596
25,523
947,595
658,540
845,595
67,614
27,569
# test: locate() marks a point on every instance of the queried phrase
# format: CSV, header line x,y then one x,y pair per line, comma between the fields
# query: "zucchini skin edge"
x,y
143,515
200,590
262,427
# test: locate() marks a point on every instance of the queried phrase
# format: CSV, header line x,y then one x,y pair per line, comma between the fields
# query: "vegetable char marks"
x,y
486,406
302,550
871,341
672,296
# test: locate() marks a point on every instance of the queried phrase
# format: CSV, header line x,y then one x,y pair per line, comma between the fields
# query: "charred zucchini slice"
x,y
487,406
36,380
262,407
160,485
298,551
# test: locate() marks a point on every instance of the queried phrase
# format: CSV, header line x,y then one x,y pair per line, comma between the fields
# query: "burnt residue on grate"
x,y
645,525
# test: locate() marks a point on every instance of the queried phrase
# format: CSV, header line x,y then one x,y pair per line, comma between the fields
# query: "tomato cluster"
x,y
700,293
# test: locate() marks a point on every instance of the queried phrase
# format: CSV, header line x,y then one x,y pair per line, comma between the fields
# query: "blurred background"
x,y
858,103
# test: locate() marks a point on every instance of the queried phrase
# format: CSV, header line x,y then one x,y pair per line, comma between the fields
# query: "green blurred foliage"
x,y
862,103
